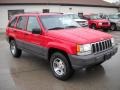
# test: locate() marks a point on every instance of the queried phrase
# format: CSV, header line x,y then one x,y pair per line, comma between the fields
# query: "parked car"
x,y
59,40
118,14
82,22
115,21
96,22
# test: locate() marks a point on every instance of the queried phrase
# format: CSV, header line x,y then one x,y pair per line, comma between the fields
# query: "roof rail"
x,y
32,12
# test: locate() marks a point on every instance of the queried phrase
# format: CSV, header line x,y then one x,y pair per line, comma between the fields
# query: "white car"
x,y
115,21
82,22
118,15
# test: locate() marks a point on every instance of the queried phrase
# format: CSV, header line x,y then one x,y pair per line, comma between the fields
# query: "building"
x,y
11,7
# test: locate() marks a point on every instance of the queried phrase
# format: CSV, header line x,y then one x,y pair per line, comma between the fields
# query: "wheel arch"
x,y
93,24
54,50
10,38
113,23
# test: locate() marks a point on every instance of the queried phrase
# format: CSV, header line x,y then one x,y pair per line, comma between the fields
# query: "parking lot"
x,y
32,73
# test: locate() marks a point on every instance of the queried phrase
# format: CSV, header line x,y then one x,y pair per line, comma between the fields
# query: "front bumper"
x,y
78,62
84,25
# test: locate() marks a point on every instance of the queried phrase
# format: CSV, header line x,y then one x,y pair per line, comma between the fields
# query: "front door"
x,y
34,42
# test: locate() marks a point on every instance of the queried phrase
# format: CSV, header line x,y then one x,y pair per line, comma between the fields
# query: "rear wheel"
x,y
113,27
14,50
60,66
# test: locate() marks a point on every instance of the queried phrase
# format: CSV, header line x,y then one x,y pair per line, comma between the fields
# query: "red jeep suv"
x,y
96,22
59,40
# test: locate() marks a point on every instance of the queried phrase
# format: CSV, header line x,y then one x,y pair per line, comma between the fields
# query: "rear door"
x,y
20,30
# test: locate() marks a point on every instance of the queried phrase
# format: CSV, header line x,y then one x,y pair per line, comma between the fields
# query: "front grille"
x,y
101,46
81,22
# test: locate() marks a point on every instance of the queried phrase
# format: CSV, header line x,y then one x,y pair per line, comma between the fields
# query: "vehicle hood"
x,y
100,20
80,20
79,35
114,20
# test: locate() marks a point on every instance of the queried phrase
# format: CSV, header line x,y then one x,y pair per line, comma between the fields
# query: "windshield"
x,y
95,17
52,22
114,17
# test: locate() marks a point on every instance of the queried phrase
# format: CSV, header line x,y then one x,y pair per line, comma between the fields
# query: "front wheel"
x,y
93,26
60,66
14,50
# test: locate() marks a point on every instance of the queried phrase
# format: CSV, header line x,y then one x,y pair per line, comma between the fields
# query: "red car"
x,y
96,22
59,40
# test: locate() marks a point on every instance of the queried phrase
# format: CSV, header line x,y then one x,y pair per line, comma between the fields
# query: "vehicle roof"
x,y
36,13
91,14
70,13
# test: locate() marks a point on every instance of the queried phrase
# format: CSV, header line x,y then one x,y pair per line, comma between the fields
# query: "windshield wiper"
x,y
56,28
71,27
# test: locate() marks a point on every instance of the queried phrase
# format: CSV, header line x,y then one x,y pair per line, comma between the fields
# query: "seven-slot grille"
x,y
101,46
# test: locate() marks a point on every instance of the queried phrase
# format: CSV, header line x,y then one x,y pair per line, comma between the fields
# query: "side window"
x,y
12,23
32,23
22,21
119,15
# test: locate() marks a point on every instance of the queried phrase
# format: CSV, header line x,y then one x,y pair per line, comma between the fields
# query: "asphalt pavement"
x,y
32,73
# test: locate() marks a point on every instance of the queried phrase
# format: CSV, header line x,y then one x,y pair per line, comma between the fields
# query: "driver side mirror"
x,y
36,31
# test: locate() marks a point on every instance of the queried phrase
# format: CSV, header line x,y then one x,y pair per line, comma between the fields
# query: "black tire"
x,y
113,27
105,30
17,52
98,64
68,71
93,26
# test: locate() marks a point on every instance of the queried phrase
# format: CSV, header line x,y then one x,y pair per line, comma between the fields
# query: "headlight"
x,y
113,41
84,49
100,23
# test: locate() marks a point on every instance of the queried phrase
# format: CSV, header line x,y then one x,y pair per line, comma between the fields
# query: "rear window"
x,y
22,21
12,22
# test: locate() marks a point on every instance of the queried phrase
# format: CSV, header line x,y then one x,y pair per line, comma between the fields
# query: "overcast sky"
x,y
111,0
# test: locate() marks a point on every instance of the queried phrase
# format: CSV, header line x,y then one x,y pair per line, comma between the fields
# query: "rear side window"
x,y
12,23
22,21
32,23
